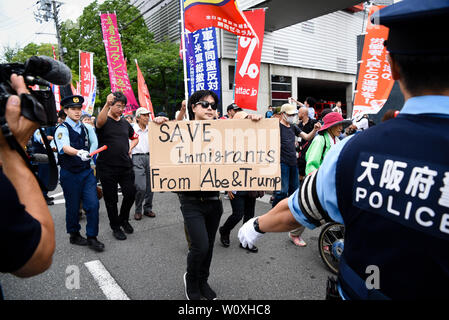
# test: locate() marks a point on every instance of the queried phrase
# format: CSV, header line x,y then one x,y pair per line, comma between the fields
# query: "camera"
x,y
38,106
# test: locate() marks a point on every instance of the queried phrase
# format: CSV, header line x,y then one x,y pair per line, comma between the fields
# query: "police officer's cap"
x,y
72,102
416,27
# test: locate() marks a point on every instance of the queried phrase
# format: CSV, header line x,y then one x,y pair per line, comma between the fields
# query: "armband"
x,y
134,137
309,203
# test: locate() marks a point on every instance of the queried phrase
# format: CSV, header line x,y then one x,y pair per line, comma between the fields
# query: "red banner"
x,y
375,82
118,74
223,14
144,94
55,88
249,53
86,71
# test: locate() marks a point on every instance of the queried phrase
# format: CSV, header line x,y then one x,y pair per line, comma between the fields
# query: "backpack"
x,y
303,151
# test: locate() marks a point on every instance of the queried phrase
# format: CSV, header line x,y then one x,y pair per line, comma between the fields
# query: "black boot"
x,y
224,238
76,238
206,291
94,244
192,289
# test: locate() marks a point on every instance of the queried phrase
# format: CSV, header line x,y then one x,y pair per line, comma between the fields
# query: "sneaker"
x,y
127,227
224,238
298,241
206,291
78,239
118,234
192,289
94,244
254,249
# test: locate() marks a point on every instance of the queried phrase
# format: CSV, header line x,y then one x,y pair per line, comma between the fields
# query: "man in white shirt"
x,y
337,108
141,166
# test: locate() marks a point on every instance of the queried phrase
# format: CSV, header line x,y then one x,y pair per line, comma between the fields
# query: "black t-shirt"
x,y
288,149
115,135
20,233
307,128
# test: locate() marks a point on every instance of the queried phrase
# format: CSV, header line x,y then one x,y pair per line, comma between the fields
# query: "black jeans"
x,y
242,207
110,177
201,219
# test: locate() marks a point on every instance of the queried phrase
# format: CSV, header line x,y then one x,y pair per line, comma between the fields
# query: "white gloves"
x,y
84,155
247,235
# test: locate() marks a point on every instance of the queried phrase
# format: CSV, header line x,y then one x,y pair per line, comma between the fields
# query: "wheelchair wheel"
x,y
331,244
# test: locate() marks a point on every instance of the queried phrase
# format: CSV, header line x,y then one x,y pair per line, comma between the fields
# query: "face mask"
x,y
290,119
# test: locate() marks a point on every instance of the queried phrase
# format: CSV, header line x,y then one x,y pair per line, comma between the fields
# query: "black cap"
x,y
72,101
233,106
162,114
416,27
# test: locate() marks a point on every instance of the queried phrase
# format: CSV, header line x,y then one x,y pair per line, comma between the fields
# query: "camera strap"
x,y
53,179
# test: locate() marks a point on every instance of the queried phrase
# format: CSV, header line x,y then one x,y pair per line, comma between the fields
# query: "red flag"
x,y
144,94
375,82
200,14
248,63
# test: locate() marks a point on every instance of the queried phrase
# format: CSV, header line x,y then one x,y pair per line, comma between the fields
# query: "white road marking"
x,y
265,198
62,201
107,284
56,194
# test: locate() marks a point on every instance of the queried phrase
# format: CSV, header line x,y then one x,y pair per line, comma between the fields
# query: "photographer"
x,y
27,239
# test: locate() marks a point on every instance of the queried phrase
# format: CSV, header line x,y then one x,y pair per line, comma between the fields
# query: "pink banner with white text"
x,y
118,73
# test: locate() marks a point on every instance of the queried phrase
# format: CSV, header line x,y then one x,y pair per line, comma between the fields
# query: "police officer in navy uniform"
x,y
75,141
389,185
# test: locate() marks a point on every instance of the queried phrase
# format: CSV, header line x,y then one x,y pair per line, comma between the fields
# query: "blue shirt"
x,y
424,105
62,135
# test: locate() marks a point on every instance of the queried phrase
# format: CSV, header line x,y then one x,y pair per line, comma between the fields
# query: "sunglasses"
x,y
206,105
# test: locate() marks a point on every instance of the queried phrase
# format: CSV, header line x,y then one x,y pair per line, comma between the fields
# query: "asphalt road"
x,y
150,264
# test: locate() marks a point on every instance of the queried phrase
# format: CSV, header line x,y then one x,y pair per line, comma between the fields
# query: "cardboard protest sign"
x,y
215,155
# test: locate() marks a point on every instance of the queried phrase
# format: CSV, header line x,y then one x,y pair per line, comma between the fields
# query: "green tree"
x,y
159,59
15,54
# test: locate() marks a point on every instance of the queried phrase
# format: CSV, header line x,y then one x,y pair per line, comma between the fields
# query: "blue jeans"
x,y
77,186
289,182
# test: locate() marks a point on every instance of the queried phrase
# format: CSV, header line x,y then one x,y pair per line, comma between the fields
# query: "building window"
x,y
281,90
308,26
231,77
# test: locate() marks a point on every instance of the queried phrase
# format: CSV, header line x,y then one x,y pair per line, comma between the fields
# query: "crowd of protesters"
x,y
124,167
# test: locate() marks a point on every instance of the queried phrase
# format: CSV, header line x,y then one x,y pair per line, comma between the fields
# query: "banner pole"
x,y
184,61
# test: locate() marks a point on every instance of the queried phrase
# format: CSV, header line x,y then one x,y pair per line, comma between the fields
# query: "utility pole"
x,y
49,9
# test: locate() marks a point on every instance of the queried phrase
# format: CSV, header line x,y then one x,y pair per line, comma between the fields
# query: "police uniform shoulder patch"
x,y
60,136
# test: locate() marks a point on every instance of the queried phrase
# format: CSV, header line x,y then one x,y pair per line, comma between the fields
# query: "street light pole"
x,y
58,36
49,10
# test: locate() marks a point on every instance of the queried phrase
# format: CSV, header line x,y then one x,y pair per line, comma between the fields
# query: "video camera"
x,y
39,106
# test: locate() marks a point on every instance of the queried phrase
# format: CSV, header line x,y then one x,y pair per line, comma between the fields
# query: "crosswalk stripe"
x,y
107,284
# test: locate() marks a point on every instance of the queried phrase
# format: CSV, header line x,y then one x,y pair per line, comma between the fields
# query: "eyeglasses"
x,y
206,105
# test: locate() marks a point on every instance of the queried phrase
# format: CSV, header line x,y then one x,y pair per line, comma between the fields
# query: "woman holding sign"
x,y
201,210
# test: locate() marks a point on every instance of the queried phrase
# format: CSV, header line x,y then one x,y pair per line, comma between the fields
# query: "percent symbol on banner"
x,y
251,70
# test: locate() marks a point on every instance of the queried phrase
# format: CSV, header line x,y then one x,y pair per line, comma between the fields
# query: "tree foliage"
x,y
159,62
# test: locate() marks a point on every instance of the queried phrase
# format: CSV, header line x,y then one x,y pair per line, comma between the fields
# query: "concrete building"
x,y
309,49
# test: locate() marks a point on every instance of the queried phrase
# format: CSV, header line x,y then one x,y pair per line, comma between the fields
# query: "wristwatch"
x,y
256,225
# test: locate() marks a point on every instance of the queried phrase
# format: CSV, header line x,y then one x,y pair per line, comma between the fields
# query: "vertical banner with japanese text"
x,y
203,67
87,85
143,93
223,14
55,88
249,54
374,82
118,74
